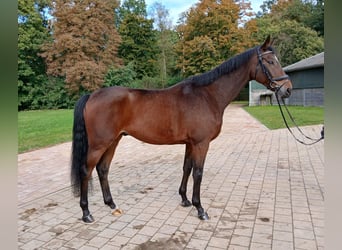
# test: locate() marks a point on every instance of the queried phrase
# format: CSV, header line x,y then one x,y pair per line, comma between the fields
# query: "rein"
x,y
276,88
313,141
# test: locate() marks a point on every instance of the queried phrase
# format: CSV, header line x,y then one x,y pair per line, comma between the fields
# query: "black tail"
x,y
79,146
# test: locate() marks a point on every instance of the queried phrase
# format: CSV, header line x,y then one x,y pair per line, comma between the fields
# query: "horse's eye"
x,y
270,62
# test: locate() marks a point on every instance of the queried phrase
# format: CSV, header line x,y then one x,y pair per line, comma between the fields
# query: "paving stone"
x,y
240,240
305,244
97,242
139,239
33,244
304,234
261,189
261,246
76,243
219,242
119,240
283,235
197,244
282,245
55,244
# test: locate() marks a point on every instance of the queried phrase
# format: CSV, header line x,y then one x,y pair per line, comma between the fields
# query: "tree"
x,y
122,76
296,42
165,41
139,43
85,43
135,7
218,29
266,6
32,33
287,21
200,56
316,18
308,12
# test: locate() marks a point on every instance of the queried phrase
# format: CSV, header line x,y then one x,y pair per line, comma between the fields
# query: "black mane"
x,y
226,67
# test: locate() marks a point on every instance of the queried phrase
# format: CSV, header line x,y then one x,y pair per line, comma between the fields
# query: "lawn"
x,y
37,129
271,117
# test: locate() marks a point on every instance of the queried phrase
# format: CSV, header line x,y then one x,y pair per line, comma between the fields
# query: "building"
x,y
307,77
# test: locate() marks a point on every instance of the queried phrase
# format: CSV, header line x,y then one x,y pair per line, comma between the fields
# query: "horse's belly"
x,y
154,133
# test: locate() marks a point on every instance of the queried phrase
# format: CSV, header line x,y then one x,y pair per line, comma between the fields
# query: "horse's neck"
x,y
228,86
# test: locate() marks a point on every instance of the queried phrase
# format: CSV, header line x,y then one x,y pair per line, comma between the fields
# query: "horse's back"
x,y
108,94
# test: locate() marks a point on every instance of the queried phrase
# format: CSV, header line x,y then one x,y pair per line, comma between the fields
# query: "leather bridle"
x,y
273,85
272,80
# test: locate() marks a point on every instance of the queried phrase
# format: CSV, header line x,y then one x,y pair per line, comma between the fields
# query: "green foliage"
x,y
316,18
166,38
166,59
31,35
139,44
296,42
43,128
123,76
211,32
148,82
266,6
147,43
126,76
309,13
50,93
128,7
289,23
176,78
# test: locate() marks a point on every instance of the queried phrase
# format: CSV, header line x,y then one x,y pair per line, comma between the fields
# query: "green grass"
x,y
271,117
38,129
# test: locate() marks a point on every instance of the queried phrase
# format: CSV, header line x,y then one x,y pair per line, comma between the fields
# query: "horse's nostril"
x,y
288,91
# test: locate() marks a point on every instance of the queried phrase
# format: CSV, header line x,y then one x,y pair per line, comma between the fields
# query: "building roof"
x,y
315,61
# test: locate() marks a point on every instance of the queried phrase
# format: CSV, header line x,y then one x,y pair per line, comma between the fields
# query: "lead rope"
x,y
292,119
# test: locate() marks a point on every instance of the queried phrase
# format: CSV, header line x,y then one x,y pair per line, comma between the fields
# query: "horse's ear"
x,y
267,43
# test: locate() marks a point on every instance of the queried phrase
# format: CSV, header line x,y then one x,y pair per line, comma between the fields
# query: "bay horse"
x,y
189,113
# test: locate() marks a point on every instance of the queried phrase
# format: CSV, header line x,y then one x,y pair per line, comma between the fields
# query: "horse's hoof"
x,y
186,203
203,216
117,212
88,219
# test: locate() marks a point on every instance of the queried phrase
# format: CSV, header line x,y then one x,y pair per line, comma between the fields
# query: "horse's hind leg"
x,y
92,158
102,170
87,217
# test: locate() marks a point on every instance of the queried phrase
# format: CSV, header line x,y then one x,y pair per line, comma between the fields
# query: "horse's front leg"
x,y
187,167
196,200
198,155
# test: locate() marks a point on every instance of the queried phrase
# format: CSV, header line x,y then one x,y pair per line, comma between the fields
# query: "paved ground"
x,y
261,189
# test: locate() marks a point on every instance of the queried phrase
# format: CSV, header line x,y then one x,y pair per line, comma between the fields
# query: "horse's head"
x,y
269,72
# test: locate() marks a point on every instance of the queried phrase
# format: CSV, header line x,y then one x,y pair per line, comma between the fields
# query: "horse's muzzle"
x,y
287,93
284,90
